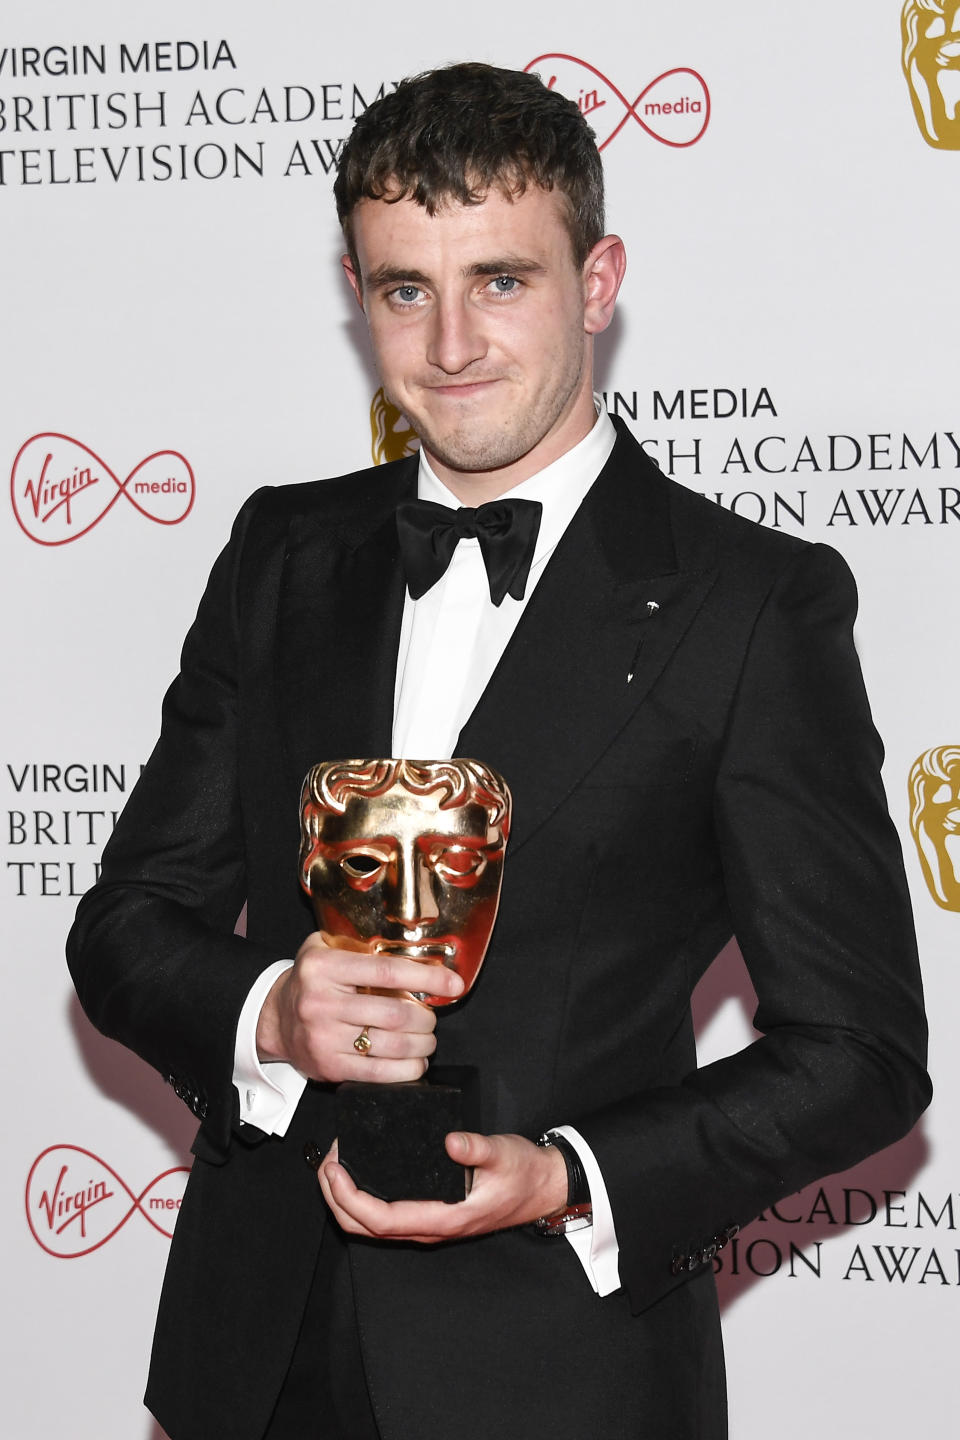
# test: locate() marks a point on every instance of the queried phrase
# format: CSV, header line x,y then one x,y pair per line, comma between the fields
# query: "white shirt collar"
x,y
560,486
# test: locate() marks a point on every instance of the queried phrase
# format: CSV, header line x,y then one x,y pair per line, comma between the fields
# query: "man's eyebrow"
x,y
392,275
383,275
505,265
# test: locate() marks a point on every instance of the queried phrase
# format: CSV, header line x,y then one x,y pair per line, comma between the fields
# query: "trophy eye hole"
x,y
360,866
459,863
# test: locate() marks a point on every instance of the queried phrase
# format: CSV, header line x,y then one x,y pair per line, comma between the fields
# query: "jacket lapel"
x,y
339,620
615,601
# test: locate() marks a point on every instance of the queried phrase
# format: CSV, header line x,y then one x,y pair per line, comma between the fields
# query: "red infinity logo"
x,y
60,489
75,1202
674,108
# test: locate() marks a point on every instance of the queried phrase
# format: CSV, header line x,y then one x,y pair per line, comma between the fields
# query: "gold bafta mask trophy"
x,y
405,857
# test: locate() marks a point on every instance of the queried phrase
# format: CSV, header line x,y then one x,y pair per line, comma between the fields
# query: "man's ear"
x,y
603,272
353,275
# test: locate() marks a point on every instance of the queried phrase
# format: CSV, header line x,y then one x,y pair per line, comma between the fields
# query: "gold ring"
x,y
363,1042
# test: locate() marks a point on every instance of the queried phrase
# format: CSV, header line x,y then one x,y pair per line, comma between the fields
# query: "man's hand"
x,y
316,1010
514,1182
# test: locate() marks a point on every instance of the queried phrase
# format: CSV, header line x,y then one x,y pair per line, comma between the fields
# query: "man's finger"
x,y
406,1016
387,1044
469,1148
378,971
360,1213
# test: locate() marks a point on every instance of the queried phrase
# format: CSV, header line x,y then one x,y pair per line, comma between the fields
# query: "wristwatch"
x,y
578,1211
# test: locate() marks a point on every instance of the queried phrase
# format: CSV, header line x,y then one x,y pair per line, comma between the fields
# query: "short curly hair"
x,y
329,785
456,132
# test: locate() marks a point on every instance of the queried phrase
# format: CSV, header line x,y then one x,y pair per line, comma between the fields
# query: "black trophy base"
x,y
390,1137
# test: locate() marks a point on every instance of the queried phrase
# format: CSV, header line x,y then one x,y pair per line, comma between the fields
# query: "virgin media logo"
x,y
76,1202
674,108
60,489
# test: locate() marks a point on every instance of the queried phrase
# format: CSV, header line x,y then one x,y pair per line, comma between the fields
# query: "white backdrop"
x,y
785,344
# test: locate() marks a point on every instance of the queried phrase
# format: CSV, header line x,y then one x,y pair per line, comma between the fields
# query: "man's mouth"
x,y
462,390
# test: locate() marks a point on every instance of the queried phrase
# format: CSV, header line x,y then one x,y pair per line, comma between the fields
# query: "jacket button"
x,y
312,1154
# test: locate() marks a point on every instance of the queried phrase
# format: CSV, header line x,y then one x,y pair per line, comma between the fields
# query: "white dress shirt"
x,y
454,627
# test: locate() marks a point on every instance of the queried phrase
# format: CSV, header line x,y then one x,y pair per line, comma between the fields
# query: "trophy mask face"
x,y
931,63
935,822
404,869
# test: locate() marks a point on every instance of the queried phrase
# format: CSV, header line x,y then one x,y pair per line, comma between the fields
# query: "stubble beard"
x,y
475,446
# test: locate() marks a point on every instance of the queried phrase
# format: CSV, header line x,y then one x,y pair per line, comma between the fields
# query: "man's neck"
x,y
559,486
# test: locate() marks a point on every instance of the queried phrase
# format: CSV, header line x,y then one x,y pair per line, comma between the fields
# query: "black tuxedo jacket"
x,y
731,786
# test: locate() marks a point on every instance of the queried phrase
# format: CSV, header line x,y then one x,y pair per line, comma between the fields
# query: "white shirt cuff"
x,y
597,1248
269,1091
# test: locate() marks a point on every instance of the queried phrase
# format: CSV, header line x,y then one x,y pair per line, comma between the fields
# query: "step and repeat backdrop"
x,y
176,332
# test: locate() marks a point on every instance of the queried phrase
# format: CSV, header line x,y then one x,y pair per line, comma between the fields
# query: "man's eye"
x,y
505,285
406,294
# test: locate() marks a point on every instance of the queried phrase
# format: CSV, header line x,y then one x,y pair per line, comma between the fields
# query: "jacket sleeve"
x,y
152,951
817,897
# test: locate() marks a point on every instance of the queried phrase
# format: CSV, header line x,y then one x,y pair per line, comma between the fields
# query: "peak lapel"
x,y
614,601
339,623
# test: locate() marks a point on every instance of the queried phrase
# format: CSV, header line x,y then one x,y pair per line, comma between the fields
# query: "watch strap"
x,y
578,1211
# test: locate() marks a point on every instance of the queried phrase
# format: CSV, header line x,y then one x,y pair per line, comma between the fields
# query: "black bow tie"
x,y
506,529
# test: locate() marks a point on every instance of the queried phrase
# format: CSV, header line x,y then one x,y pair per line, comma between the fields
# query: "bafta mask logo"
x,y
405,857
393,437
935,821
931,62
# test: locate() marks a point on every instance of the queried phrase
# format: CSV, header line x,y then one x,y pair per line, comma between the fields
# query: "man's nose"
x,y
411,901
456,337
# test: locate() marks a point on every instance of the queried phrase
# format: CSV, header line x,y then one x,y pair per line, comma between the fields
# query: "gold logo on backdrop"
x,y
393,435
935,821
930,31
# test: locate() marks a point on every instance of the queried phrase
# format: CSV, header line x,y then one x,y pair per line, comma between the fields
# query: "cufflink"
x,y
312,1154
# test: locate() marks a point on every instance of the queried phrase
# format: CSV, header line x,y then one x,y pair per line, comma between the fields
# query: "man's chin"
x,y
475,455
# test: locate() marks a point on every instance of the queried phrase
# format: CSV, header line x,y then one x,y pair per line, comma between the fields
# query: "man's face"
x,y
405,877
481,326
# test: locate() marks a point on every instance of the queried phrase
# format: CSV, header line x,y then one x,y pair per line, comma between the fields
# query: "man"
x,y
673,697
